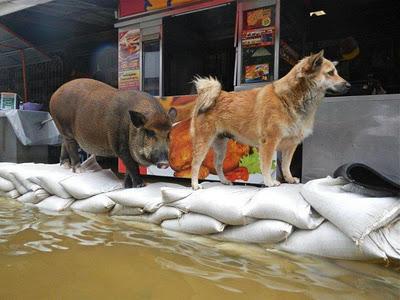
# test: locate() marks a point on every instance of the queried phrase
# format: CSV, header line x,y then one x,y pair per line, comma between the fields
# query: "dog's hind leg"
x,y
219,147
201,144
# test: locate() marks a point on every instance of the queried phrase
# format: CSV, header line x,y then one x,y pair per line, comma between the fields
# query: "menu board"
x,y
129,60
8,101
257,42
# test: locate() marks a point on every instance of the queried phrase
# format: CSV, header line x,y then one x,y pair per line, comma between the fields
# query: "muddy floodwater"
x,y
83,256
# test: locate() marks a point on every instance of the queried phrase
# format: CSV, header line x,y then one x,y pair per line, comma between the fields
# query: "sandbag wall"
x,y
318,218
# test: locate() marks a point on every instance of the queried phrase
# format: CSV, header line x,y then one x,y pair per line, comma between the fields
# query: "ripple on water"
x,y
234,268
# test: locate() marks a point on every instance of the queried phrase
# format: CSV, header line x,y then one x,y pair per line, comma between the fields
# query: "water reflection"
x,y
233,268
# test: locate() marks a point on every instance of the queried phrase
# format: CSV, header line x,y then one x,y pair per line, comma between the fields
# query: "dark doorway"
x,y
199,43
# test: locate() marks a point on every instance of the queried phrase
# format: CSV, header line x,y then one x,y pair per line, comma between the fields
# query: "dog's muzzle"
x,y
339,89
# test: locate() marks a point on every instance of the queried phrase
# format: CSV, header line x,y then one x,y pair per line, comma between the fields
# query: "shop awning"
x,y
13,46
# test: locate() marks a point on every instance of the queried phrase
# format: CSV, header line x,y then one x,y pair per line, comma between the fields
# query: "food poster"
x,y
129,59
257,42
160,4
241,164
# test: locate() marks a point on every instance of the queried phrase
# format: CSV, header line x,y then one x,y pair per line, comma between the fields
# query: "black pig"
x,y
107,122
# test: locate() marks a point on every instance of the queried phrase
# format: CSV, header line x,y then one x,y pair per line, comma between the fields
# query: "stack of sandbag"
x,y
144,204
358,226
52,187
241,213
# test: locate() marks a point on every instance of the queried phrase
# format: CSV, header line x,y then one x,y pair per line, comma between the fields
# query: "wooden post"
x,y
21,51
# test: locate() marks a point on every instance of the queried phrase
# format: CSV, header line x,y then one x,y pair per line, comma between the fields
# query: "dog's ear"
x,y
137,118
315,60
335,63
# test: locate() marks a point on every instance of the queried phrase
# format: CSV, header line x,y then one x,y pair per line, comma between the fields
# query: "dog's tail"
x,y
208,90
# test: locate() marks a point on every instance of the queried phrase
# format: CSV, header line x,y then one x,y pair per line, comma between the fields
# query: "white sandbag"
x,y
388,239
262,231
355,215
221,202
160,215
328,241
55,203
23,177
41,194
120,210
96,204
28,197
13,194
86,185
6,185
148,198
283,203
5,174
51,182
194,223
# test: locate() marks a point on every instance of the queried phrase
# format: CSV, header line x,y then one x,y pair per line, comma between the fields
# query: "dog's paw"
x,y
292,180
226,182
272,183
196,186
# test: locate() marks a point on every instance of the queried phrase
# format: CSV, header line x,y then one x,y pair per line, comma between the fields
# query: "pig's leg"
x,y
133,178
64,157
72,148
219,147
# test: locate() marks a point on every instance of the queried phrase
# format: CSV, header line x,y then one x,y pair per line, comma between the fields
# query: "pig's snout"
x,y
160,159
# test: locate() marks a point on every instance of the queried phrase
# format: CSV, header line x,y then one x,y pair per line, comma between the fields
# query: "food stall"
x,y
246,44
163,44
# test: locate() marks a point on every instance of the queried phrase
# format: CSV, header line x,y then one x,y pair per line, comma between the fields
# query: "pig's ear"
x,y
172,113
137,118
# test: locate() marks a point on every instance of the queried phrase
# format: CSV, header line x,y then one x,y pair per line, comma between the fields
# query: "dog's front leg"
x,y
268,146
287,155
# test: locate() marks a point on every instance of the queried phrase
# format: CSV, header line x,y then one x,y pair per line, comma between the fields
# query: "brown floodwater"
x,y
84,256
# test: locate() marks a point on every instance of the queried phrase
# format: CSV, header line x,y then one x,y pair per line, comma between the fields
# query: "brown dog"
x,y
277,116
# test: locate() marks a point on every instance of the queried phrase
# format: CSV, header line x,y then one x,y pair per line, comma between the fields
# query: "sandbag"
x,y
161,214
262,231
194,223
55,203
5,174
28,197
51,182
41,194
96,204
328,241
148,198
120,210
88,184
223,203
387,239
6,185
283,203
355,215
13,194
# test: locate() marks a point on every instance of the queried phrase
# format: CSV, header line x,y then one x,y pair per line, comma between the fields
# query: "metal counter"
x,y
362,129
22,139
